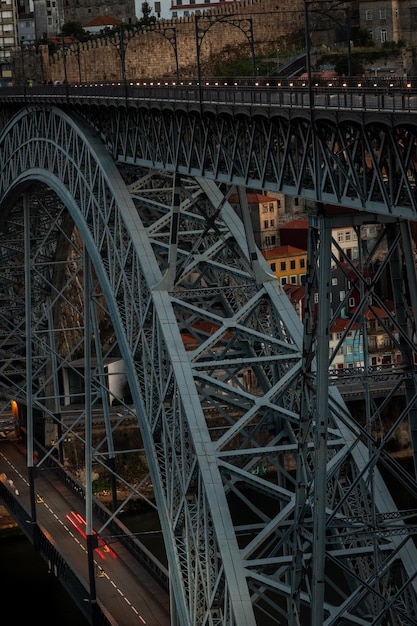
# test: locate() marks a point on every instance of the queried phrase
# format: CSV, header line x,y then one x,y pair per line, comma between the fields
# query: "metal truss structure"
x,y
270,493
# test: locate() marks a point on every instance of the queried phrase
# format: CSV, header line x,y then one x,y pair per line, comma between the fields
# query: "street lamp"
x,y
203,23
120,38
64,60
31,50
75,47
329,7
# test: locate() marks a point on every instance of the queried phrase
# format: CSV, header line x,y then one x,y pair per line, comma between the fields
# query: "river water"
x,y
29,594
26,587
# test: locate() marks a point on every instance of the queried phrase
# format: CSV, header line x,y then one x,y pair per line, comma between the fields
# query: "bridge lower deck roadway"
x,y
124,588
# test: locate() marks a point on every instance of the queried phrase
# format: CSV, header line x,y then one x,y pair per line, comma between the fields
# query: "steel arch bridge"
x,y
270,492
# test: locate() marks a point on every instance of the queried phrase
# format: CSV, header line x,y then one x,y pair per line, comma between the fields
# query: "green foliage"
x,y
363,38
342,66
74,29
237,67
146,18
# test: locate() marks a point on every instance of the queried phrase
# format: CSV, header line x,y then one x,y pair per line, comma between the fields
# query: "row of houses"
x,y
283,243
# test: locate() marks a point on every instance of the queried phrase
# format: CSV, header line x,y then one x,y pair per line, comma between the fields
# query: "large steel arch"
x,y
271,502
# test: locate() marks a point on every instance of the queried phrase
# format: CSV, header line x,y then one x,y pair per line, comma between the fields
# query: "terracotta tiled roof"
x,y
251,198
295,292
103,20
282,251
301,224
340,325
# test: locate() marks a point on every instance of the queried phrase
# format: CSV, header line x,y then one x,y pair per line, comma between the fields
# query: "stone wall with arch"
x,y
150,54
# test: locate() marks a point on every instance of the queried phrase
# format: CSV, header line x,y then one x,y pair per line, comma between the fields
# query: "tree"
x,y
363,38
342,67
146,18
74,29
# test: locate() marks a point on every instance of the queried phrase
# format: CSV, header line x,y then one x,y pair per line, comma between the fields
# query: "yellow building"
x,y
287,263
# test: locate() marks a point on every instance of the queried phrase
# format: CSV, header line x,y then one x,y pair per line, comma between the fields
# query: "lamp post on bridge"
x,y
74,47
329,7
203,23
30,49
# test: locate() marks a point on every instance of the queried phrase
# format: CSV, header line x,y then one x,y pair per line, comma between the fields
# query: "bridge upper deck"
x,y
348,145
255,97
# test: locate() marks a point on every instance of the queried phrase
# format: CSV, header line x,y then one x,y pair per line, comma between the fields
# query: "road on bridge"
x,y
124,588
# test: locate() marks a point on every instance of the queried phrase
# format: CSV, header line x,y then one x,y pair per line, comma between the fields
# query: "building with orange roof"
x,y
100,22
287,263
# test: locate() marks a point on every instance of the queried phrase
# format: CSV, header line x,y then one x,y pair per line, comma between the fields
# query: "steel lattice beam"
x,y
271,500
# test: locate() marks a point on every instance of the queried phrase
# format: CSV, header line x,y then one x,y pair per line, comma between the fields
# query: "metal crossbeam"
x,y
258,468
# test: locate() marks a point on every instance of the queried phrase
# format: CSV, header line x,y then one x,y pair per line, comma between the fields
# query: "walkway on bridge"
x,y
126,592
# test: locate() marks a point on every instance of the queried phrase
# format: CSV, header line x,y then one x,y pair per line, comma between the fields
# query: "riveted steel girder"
x,y
366,162
271,500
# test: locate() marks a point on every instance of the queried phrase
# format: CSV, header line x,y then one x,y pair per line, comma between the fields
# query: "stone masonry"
x,y
150,55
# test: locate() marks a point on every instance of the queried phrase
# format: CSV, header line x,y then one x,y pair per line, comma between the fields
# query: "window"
x,y
316,298
292,264
271,223
264,208
273,267
383,35
368,14
302,279
157,7
382,14
347,235
371,34
349,349
284,280
293,280
283,266
339,236
302,263
352,302
341,295
271,208
279,204
266,223
267,241
273,240
334,281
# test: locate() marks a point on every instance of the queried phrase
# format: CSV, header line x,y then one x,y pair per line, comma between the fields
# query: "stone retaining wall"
x,y
151,54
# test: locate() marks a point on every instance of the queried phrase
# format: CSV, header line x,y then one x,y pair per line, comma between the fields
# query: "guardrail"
x,y
387,97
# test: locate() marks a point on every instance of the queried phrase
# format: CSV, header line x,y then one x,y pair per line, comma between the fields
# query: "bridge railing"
x,y
367,96
117,529
58,566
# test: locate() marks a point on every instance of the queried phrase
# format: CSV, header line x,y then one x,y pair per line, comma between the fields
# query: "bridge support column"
x,y
92,544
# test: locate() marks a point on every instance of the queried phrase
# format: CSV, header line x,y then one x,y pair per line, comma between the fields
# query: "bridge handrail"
x,y
366,96
46,548
134,546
